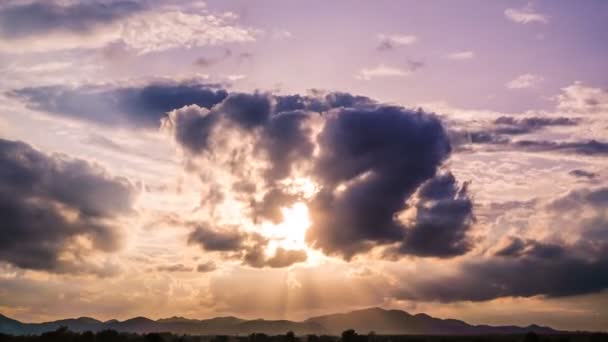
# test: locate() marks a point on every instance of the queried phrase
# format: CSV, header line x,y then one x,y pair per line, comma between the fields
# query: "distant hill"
x,y
379,320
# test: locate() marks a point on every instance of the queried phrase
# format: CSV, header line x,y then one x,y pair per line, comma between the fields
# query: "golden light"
x,y
291,232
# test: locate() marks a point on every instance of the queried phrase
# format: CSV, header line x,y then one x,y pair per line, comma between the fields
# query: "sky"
x,y
284,159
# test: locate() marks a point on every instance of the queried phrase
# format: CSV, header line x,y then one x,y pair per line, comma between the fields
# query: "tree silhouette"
x,y
349,335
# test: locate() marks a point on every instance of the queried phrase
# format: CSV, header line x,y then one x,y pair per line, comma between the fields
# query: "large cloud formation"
x,y
366,160
369,163
49,204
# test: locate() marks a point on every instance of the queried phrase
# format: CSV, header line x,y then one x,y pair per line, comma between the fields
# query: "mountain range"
x,y
379,320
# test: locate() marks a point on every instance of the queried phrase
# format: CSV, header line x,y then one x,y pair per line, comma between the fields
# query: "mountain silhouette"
x,y
379,320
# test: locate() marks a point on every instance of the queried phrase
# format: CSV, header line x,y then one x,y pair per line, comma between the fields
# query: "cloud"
x,y
366,178
205,62
228,239
132,107
582,174
588,148
19,21
500,130
524,81
381,71
580,98
370,159
591,147
55,25
249,247
442,214
235,77
525,267
391,41
460,55
174,268
284,257
205,267
525,15
57,210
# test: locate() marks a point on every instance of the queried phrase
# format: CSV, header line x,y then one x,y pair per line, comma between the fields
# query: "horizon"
x,y
291,159
243,318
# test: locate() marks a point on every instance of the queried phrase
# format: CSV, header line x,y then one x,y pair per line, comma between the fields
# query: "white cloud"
x,y
390,41
280,34
381,70
524,81
580,98
525,15
143,32
460,55
235,77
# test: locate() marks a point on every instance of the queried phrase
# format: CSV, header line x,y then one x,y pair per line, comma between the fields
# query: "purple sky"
x,y
166,158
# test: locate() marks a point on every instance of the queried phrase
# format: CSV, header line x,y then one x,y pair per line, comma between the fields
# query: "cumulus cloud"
x,y
133,107
50,204
56,25
380,71
365,160
391,41
524,81
525,15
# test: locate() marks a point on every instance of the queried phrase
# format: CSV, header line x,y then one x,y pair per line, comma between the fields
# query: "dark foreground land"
x,y
65,335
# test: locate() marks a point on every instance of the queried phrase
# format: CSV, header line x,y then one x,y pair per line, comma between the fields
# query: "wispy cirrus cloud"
x,y
525,15
380,71
460,55
524,81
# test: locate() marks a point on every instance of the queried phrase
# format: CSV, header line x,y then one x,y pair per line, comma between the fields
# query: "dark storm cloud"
x,y
48,201
371,161
245,246
136,107
285,141
444,214
40,17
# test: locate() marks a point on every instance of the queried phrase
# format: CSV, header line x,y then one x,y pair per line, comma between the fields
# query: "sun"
x,y
291,232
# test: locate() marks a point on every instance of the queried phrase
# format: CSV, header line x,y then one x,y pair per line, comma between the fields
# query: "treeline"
x,y
65,335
